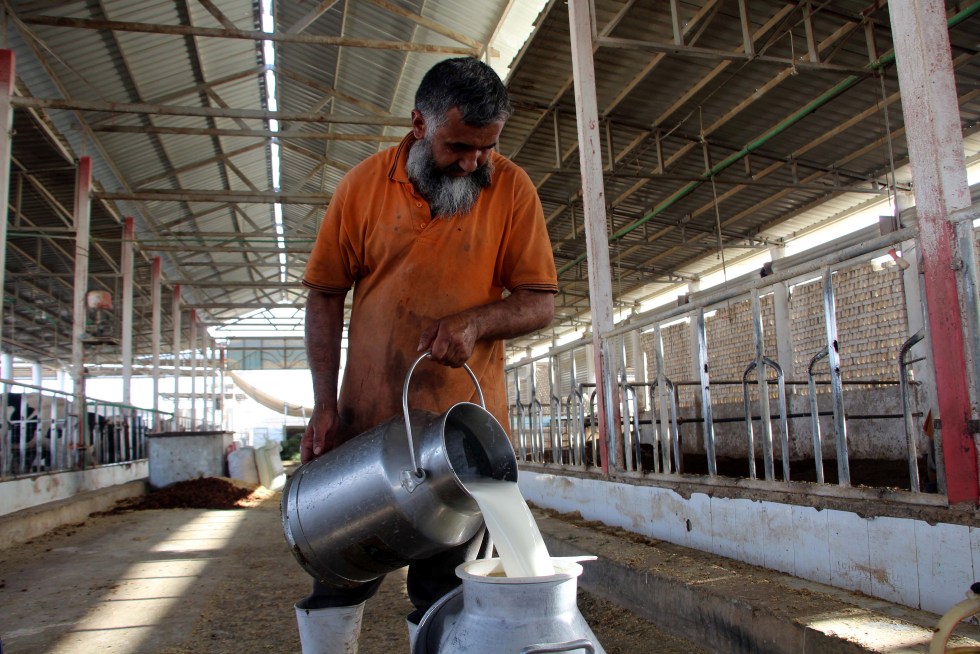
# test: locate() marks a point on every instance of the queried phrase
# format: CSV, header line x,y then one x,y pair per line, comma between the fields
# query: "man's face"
x,y
450,164
458,149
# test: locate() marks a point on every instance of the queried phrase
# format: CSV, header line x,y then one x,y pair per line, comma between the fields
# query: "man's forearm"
x,y
451,340
520,313
324,329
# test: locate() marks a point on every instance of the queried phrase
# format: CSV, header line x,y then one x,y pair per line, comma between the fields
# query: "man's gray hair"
x,y
467,84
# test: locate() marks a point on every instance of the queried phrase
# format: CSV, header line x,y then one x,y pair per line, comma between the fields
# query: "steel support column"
x,y
155,293
82,219
783,324
935,139
176,341
224,401
127,308
210,384
597,243
193,349
7,77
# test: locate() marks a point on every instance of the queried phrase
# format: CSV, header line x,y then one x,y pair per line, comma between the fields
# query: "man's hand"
x,y
320,435
450,340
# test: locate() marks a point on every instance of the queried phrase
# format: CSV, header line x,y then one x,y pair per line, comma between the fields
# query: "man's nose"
x,y
470,161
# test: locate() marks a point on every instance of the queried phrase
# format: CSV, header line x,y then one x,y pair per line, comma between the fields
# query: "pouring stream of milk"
x,y
512,527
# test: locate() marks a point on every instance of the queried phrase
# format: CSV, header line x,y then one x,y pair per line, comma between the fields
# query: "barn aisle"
x,y
168,581
188,581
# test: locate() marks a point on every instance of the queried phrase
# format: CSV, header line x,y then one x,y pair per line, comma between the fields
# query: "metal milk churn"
x,y
393,494
492,614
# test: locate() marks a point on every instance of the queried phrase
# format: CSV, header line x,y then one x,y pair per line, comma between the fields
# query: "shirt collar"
x,y
398,171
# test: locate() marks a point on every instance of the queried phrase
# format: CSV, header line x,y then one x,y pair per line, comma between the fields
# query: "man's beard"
x,y
447,195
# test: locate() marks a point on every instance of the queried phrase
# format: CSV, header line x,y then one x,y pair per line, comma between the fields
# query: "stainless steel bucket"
x,y
394,494
508,615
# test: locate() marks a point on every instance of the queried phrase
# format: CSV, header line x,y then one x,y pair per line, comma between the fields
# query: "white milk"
x,y
515,534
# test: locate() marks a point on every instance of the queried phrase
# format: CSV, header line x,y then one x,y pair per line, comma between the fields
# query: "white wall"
x,y
27,492
906,561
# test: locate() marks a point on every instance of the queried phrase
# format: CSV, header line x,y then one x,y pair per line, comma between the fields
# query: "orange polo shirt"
x,y
409,270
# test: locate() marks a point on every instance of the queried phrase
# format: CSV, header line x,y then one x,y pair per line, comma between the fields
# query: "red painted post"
x,y
935,139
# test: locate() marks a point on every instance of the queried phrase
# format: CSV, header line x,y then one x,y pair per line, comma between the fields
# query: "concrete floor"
x,y
187,580
183,581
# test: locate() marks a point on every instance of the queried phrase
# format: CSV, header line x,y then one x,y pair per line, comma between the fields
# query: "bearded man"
x,y
444,243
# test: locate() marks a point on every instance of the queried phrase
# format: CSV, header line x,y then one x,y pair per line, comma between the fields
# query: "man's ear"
x,y
418,125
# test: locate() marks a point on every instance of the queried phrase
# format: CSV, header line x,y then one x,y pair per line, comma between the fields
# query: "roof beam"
x,y
310,17
250,133
723,55
261,197
220,17
206,112
249,35
227,284
152,247
245,305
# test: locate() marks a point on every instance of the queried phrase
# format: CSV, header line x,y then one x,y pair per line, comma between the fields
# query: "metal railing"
x,y
567,431
41,431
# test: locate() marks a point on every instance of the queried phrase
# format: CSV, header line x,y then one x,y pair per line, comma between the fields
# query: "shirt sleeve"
x,y
528,261
333,266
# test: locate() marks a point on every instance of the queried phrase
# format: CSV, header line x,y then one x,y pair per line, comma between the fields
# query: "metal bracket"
x,y
972,426
964,215
410,480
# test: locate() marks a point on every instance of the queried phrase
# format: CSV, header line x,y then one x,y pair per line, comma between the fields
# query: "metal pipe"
x,y
580,414
666,437
624,410
968,296
554,410
763,381
675,431
537,431
705,389
910,430
626,433
836,388
575,420
815,416
747,405
631,428
783,423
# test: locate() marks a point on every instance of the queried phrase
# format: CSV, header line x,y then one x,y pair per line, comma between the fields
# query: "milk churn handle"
x,y
582,643
412,478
